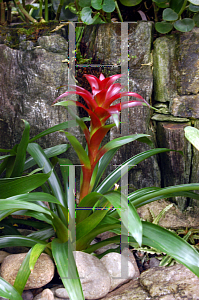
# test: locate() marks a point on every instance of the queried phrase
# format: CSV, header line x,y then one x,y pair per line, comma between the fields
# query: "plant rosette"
x,y
61,227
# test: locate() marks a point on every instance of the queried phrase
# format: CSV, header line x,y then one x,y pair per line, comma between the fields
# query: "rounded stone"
x,y
119,267
42,274
3,254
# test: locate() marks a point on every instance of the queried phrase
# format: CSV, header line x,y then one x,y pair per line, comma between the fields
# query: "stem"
x,y
9,18
24,6
118,11
77,5
2,11
40,8
78,9
26,14
46,10
155,12
59,10
19,12
108,17
182,8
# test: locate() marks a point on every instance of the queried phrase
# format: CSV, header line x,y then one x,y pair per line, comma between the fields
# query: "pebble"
x,y
27,295
154,262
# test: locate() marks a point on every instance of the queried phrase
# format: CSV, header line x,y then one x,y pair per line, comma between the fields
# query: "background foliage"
x,y
181,15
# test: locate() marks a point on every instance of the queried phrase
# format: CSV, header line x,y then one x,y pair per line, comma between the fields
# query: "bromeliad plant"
x,y
101,207
99,108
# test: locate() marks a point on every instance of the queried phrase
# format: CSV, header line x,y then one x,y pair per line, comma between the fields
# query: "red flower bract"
x,y
104,93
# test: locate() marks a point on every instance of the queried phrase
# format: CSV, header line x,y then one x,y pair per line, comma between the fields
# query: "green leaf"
x,y
118,142
8,291
10,162
94,247
72,8
161,214
88,224
170,243
177,5
55,128
160,1
11,203
50,152
66,266
102,165
112,178
169,15
108,6
86,16
3,165
11,241
196,2
142,192
86,205
39,156
192,135
163,27
64,166
129,215
130,2
115,240
84,243
184,25
21,152
34,255
61,228
6,150
43,234
23,274
37,197
21,185
163,5
5,156
196,19
96,4
165,193
83,157
36,215
194,8
84,3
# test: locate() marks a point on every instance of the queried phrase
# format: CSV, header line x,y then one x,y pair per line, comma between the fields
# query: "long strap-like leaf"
x,y
20,185
42,160
8,291
21,152
66,266
114,176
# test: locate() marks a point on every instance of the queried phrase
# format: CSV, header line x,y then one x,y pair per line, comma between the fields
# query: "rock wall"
x,y
176,96
34,64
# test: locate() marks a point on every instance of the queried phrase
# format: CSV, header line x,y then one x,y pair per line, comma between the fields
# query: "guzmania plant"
x,y
64,228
